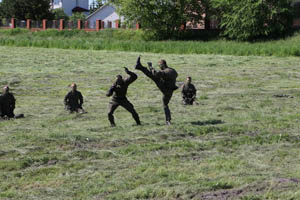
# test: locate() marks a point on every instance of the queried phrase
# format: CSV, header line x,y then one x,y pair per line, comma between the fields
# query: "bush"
x,y
254,19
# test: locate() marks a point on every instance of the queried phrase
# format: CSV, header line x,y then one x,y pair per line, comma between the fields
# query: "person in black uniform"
x,y
73,100
165,80
118,92
188,92
7,103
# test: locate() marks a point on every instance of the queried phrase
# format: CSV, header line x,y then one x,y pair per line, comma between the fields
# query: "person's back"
x,y
169,78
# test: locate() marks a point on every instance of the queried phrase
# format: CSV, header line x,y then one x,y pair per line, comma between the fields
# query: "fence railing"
x,y
60,24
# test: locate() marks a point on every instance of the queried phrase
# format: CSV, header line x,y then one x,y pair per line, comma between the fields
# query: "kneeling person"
x,y
7,104
118,92
73,100
188,92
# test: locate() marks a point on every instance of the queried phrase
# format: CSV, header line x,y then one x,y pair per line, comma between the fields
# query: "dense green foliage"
x,y
241,141
132,40
24,9
59,13
77,16
165,17
95,5
254,19
239,19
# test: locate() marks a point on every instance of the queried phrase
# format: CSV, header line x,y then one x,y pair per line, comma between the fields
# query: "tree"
x,y
59,14
77,16
1,12
95,5
254,19
164,17
24,9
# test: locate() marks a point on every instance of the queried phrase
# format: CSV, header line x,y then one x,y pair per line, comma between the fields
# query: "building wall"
x,y
107,13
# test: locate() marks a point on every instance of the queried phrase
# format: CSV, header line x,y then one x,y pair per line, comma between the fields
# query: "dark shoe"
x,y
138,63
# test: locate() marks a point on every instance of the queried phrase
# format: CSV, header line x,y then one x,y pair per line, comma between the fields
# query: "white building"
x,y
105,13
70,6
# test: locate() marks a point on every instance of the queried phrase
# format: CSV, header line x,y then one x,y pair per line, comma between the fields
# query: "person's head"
x,y
162,64
119,80
73,86
5,89
188,80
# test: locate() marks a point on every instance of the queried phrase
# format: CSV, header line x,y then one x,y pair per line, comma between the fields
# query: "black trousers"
x,y
73,108
167,93
8,113
188,101
114,104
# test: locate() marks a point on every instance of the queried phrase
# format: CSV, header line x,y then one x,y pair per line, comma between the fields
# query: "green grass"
x,y
238,142
137,41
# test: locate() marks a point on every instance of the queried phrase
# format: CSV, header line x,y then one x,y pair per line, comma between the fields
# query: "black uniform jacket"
x,y
188,91
118,91
74,99
168,77
7,103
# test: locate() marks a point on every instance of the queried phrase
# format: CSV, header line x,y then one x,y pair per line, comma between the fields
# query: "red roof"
x,y
79,9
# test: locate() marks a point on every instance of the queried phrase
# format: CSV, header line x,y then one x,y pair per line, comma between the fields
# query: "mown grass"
x,y
138,41
241,140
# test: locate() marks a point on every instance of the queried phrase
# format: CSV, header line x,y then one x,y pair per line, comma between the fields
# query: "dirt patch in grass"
x,y
278,184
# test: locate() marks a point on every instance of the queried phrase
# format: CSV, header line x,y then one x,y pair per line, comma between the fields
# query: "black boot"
x,y
137,119
138,65
111,120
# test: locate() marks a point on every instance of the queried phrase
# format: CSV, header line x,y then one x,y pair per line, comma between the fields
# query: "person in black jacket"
x,y
165,80
73,100
118,92
7,103
188,92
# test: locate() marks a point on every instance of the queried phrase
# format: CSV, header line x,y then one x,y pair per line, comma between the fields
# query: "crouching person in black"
x,y
118,92
7,105
188,92
73,100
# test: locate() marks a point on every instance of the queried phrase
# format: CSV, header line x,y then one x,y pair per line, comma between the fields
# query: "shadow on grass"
x,y
208,122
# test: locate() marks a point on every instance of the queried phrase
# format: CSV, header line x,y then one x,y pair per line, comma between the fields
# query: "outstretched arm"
x,y
132,76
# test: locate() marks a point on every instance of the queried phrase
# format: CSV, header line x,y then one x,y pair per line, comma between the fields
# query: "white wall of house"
x,y
105,13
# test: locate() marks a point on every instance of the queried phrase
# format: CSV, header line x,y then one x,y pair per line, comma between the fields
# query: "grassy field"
x,y
135,41
241,140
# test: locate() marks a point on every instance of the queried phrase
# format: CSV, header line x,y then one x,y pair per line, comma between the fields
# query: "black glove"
x,y
126,70
150,65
